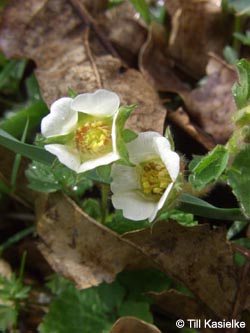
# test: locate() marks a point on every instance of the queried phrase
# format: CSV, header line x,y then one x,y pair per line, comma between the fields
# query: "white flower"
x,y
82,130
141,190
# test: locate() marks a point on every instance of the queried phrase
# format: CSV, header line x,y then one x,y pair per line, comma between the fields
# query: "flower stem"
x,y
104,202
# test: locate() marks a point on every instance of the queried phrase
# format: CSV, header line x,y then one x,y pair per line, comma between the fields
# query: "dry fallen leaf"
x,y
63,55
212,104
182,120
198,27
78,247
203,261
156,64
133,325
181,306
121,25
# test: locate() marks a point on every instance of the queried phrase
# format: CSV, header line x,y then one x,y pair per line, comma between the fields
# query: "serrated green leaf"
x,y
209,168
30,151
241,90
142,8
41,178
239,179
76,312
183,218
86,311
51,178
8,316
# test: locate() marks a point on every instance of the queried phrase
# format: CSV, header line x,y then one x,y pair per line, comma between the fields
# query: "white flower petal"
x,y
169,157
161,202
66,155
124,177
143,147
104,160
134,206
61,119
100,103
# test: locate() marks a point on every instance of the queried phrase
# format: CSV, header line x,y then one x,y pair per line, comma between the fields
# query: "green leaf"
x,y
11,75
15,124
51,178
76,312
209,168
199,207
239,179
245,39
241,90
142,8
136,309
183,218
120,224
94,309
30,151
230,54
138,283
92,208
236,228
8,316
242,7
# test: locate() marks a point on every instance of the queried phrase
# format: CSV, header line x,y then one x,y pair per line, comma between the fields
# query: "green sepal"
x,y
124,113
59,139
72,93
239,179
128,135
209,168
169,137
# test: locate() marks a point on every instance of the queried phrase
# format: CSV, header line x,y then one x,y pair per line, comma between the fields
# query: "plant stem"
x,y
104,202
237,28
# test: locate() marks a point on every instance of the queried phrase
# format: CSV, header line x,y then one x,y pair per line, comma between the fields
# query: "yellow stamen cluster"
x,y
154,178
93,137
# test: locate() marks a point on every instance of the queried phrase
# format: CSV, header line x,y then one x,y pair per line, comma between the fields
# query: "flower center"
x,y
93,137
154,178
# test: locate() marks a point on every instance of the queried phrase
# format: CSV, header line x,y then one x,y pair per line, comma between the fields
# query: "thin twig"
x,y
89,21
91,58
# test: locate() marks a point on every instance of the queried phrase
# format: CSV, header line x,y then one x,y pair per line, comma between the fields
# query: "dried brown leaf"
x,y
156,64
121,26
198,257
181,306
78,247
182,120
29,30
133,325
198,27
212,104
